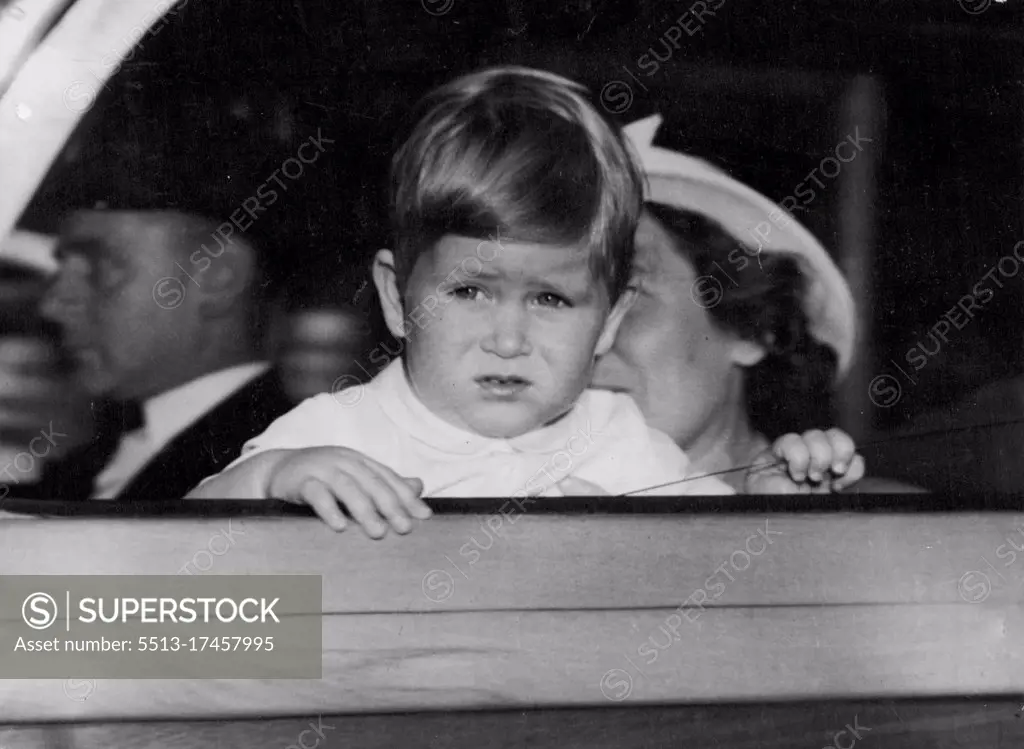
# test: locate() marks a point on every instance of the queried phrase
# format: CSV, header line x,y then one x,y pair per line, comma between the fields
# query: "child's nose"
x,y
509,334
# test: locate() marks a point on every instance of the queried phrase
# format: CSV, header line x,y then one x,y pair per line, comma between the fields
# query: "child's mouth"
x,y
502,386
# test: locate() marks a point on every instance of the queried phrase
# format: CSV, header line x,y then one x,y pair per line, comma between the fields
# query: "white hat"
x,y
682,181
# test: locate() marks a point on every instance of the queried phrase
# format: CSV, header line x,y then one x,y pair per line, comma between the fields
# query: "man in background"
x,y
169,249
180,350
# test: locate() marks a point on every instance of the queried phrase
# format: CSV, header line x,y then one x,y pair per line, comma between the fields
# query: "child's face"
x,y
500,339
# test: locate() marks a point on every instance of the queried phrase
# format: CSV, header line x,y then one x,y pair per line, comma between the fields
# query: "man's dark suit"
x,y
204,448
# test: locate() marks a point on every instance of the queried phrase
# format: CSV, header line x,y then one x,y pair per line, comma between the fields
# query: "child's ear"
x,y
615,318
386,280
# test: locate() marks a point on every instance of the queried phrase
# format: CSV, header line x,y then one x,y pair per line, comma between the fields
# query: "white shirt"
x,y
166,416
603,440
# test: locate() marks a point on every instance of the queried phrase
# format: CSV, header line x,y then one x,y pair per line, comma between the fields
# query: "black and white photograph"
x,y
439,373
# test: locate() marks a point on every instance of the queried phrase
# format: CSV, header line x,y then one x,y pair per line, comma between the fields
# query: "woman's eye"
x,y
639,286
547,299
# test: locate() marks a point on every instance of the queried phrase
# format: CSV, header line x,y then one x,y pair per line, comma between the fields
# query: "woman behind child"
x,y
514,208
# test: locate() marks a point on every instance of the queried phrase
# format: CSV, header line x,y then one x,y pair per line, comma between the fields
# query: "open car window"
x,y
884,622
130,71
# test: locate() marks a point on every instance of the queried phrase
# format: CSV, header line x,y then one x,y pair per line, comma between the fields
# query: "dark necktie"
x,y
72,477
112,420
116,418
132,416
127,446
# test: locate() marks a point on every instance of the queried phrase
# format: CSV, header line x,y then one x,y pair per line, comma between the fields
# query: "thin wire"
x,y
767,466
758,468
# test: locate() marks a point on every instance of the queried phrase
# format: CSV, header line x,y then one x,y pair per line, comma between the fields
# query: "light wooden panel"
x,y
555,561
919,724
472,660
838,606
524,659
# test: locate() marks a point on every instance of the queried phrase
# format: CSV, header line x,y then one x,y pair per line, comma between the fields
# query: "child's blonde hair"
x,y
523,154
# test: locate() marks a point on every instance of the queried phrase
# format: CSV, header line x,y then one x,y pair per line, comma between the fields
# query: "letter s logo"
x,y
79,96
168,293
616,685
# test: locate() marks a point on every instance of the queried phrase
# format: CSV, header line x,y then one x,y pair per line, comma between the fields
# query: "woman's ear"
x,y
386,280
615,318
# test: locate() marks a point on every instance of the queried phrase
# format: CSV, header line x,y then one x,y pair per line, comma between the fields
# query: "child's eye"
x,y
547,299
468,293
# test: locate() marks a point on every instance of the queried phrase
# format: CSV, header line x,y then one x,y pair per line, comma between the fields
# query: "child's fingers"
x,y
359,505
843,450
791,448
416,485
820,450
382,496
407,490
319,497
853,474
412,498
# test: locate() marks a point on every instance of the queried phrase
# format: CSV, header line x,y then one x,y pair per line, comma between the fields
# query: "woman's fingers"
x,y
843,450
773,479
791,448
816,455
853,474
819,449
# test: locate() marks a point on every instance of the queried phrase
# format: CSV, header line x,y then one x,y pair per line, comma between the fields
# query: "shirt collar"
x,y
404,407
172,411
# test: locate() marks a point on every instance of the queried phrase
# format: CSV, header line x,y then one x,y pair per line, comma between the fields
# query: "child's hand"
x,y
323,477
815,463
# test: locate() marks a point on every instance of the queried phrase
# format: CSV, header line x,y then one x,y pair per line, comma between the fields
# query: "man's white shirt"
x,y
165,417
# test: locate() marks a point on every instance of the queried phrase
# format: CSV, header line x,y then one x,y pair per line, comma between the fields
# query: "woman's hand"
x,y
813,463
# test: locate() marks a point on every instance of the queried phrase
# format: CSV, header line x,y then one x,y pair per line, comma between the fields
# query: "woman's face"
x,y
677,365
